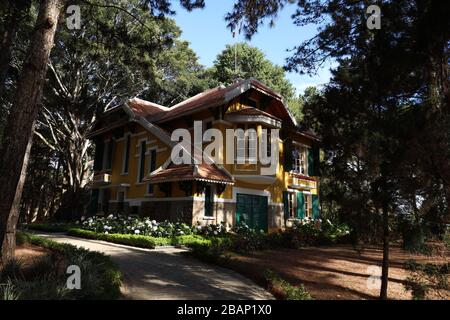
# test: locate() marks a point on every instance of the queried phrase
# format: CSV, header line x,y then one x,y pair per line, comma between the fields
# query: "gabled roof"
x,y
145,108
185,172
168,171
210,98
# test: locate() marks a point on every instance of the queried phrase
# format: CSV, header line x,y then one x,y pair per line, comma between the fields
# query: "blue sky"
x,y
206,30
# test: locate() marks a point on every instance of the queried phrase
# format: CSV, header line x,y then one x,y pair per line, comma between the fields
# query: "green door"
x,y
252,210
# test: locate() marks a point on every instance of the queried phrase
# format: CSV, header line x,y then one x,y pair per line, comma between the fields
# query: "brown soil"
x,y
337,272
28,253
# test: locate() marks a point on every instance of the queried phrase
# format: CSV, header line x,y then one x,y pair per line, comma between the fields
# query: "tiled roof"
x,y
145,108
186,172
209,98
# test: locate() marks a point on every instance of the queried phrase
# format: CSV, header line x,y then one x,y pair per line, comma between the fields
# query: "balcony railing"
x,y
101,179
299,181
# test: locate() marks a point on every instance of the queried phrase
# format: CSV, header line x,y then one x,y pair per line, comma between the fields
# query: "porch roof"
x,y
185,172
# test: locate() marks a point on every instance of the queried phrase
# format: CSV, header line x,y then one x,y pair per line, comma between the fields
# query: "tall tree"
x,y
388,73
12,12
244,61
17,138
16,144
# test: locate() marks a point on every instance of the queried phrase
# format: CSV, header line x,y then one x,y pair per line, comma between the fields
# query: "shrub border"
x,y
112,276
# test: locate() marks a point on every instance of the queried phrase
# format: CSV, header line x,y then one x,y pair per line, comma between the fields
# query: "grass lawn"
x,y
337,272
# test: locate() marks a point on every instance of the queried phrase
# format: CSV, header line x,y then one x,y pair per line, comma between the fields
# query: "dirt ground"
x,y
338,272
28,253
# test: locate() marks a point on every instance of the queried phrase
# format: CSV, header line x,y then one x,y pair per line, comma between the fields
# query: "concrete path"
x,y
166,273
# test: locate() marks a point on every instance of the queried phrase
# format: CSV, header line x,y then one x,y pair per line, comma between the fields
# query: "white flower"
x,y
136,231
77,222
181,232
215,233
106,232
154,228
154,222
83,218
105,227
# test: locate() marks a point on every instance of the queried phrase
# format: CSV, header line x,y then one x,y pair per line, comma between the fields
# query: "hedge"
x,y
47,227
140,241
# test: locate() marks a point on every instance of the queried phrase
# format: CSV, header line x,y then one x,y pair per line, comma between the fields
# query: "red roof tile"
x,y
145,108
210,98
185,172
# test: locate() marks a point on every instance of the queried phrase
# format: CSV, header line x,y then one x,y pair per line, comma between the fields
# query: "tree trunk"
x,y
17,11
19,130
385,266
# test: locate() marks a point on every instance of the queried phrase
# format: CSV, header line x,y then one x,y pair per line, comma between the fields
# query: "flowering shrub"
x,y
211,230
242,238
332,233
137,226
246,239
243,229
310,232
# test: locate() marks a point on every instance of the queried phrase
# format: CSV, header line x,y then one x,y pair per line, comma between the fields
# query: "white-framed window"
x,y
152,167
300,164
141,163
247,145
291,204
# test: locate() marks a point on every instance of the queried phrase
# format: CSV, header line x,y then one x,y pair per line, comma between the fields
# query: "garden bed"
x,y
39,272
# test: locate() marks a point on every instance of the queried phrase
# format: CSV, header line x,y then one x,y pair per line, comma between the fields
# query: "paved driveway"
x,y
166,273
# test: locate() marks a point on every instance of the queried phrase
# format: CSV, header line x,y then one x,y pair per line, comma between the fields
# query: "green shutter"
x,y
300,205
93,202
286,204
288,159
311,162
315,206
98,159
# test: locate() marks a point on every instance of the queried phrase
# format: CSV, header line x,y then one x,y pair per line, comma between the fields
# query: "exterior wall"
x,y
224,212
276,217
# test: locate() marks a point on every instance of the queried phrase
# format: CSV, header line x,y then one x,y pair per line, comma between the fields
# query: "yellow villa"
x,y
134,173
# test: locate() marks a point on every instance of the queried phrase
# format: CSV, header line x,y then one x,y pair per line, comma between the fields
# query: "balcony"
x,y
101,179
301,182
